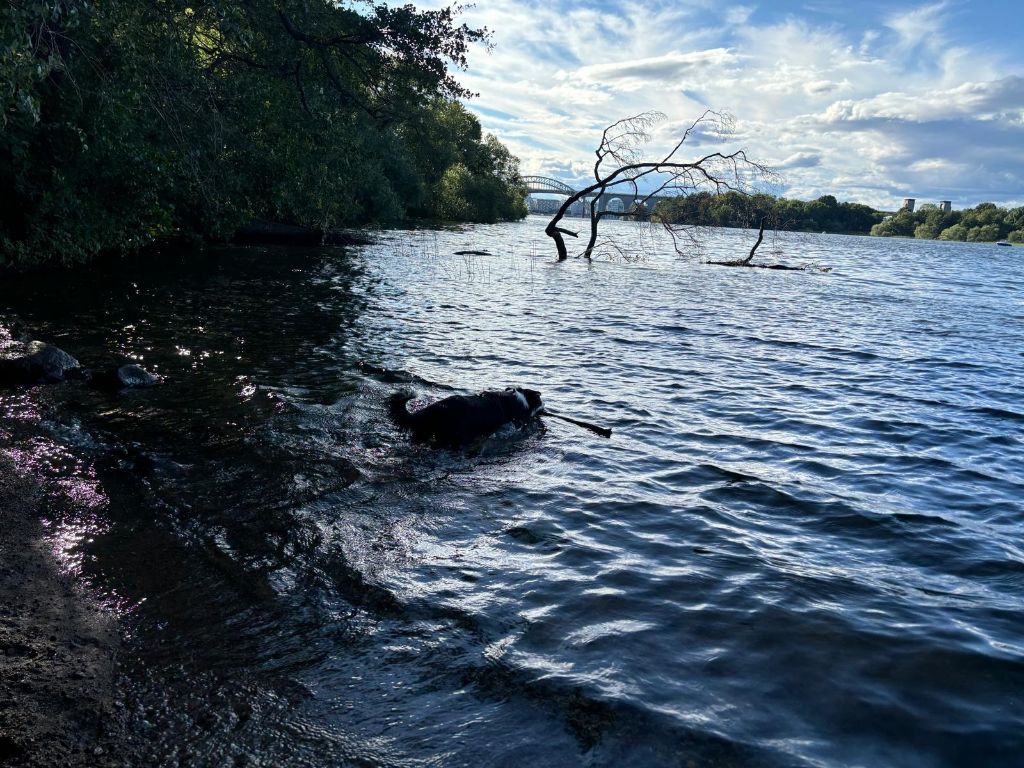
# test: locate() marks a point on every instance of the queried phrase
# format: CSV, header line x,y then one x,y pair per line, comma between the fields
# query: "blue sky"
x,y
869,101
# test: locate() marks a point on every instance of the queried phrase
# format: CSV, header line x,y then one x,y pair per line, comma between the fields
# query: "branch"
x,y
321,42
760,237
301,89
746,262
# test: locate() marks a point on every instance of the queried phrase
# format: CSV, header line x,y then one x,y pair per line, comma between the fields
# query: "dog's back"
x,y
461,419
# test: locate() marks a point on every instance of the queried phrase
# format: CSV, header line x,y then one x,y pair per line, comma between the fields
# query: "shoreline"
x,y
58,648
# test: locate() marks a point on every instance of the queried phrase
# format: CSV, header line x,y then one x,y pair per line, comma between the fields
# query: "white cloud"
x,y
979,101
800,160
921,26
674,69
817,87
738,14
933,164
898,107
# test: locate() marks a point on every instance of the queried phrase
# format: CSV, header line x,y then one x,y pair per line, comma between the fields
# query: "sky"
x,y
869,101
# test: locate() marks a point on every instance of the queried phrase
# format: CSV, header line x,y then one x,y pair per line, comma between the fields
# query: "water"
x,y
801,547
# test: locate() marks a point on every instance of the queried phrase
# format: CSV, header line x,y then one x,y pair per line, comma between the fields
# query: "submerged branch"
x,y
745,262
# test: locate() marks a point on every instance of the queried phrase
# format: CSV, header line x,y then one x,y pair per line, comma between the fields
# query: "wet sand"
x,y
57,649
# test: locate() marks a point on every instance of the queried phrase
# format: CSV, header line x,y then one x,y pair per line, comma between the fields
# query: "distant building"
x,y
946,206
546,205
542,204
909,203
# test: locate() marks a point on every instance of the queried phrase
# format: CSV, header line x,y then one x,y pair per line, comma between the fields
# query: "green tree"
x,y
987,233
858,218
956,232
981,215
1014,218
731,209
129,120
902,224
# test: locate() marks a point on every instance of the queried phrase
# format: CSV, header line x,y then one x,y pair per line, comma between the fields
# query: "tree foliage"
x,y
986,222
983,223
129,120
732,209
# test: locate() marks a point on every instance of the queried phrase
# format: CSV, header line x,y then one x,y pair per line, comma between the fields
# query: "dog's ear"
x,y
532,397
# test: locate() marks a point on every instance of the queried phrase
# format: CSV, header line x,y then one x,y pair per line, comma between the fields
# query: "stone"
x,y
53,363
123,377
43,364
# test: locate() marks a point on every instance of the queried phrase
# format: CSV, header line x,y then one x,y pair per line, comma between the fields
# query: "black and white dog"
x,y
461,419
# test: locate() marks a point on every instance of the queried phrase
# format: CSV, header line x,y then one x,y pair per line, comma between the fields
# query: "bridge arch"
x,y
545,184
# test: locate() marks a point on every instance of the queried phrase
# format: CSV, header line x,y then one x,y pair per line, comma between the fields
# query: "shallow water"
x,y
801,546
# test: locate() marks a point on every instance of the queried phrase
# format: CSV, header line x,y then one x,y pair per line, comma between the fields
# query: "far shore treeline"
x,y
128,121
733,209
984,223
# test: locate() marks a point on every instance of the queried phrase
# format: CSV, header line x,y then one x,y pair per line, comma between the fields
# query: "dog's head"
x,y
529,399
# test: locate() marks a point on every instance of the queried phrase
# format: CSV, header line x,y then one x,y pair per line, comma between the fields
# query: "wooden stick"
x,y
602,431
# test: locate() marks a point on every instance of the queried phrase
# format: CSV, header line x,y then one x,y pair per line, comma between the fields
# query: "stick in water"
x,y
602,431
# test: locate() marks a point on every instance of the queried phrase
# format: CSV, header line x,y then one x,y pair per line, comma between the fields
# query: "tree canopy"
x,y
130,120
732,209
986,222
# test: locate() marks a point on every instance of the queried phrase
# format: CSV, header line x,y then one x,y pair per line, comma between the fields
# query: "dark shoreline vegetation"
x,y
985,222
127,123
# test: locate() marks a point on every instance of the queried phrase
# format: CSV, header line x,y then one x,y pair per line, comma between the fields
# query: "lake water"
x,y
802,545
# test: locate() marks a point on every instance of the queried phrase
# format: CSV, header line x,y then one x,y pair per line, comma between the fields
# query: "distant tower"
x,y
908,204
946,206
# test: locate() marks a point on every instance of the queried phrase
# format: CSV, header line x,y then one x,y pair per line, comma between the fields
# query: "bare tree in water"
x,y
620,167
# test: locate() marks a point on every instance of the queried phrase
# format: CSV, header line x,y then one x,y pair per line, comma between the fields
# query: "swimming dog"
x,y
461,419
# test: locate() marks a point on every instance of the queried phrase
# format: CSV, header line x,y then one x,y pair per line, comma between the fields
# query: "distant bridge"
x,y
613,202
546,184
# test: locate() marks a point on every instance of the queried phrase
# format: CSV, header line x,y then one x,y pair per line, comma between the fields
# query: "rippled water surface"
x,y
801,546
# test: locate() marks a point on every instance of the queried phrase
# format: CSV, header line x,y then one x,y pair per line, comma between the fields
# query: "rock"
x,y
123,377
43,365
136,376
54,363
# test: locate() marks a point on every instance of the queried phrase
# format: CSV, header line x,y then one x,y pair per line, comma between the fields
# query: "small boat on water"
x,y
1003,242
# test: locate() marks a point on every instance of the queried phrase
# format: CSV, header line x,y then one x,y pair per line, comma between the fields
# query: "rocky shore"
x,y
57,648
